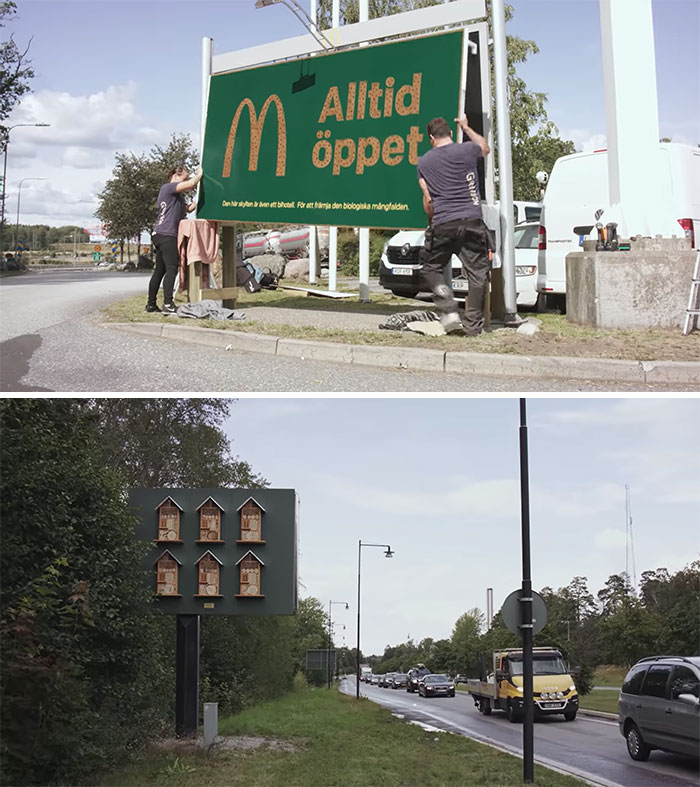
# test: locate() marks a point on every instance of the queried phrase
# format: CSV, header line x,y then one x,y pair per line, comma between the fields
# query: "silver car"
x,y
660,706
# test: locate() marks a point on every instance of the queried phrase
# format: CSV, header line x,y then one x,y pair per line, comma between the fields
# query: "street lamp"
x,y
306,20
19,196
4,170
330,630
388,553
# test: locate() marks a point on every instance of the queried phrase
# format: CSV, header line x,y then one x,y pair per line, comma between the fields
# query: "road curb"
x,y
427,360
598,714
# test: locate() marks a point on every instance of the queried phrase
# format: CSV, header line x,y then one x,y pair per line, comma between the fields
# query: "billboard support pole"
x,y
313,243
364,231
505,169
228,261
332,231
207,53
187,676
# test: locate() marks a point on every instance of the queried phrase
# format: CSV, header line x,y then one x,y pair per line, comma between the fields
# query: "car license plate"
x,y
553,705
460,285
403,271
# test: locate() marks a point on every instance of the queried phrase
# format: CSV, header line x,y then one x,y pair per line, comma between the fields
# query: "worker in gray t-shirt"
x,y
172,208
448,178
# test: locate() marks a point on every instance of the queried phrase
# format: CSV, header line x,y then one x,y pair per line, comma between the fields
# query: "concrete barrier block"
x,y
630,289
399,357
316,351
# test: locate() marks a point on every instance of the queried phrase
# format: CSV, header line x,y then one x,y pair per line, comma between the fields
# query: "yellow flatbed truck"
x,y
553,689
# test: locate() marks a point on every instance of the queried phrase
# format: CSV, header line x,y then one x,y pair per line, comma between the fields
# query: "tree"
x,y
616,592
311,633
127,204
83,672
465,641
170,442
673,600
15,69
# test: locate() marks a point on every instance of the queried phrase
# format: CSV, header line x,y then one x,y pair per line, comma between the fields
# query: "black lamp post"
x,y
330,632
388,553
526,599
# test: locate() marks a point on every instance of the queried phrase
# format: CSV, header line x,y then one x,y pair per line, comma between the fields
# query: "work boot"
x,y
451,323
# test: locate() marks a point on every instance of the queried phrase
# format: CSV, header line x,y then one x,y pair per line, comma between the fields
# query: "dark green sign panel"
x,y
220,551
332,139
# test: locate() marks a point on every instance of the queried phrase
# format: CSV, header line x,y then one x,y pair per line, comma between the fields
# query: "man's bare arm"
x,y
428,206
473,136
187,185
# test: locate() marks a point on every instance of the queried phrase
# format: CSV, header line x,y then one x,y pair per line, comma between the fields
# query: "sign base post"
x,y
187,676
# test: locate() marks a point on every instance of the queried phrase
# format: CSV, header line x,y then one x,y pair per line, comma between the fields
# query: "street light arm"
x,y
306,20
309,25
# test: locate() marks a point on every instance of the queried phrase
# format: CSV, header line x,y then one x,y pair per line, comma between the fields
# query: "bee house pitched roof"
x,y
172,501
221,508
250,552
170,554
211,554
248,501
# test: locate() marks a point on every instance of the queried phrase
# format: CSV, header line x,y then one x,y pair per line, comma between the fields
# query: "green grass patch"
x,y
557,336
609,675
605,701
339,741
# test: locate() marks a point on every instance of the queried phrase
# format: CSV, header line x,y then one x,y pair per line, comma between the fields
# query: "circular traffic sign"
x,y
511,612
98,248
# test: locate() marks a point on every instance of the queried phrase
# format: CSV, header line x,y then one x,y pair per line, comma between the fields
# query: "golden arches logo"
x,y
256,128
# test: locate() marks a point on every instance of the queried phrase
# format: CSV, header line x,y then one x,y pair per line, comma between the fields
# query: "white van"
x,y
578,187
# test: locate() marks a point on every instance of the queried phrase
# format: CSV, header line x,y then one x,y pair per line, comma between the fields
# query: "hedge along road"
x,y
592,749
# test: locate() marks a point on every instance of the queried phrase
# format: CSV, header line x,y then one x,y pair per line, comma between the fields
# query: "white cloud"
x,y
496,498
82,158
610,538
584,139
106,120
76,154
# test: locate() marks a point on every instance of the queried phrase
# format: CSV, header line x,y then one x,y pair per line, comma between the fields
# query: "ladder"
x,y
693,310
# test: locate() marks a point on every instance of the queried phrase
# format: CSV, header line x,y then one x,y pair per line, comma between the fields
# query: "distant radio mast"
x,y
629,541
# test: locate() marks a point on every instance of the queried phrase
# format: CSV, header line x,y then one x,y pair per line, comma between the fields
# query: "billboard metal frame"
x,y
423,20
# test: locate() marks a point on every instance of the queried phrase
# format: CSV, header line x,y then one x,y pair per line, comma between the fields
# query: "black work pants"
x,y
167,263
469,240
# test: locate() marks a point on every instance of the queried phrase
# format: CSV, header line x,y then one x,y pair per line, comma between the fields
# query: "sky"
x,y
438,479
114,76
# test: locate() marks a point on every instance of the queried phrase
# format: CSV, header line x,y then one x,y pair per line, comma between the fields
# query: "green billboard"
x,y
332,139
219,551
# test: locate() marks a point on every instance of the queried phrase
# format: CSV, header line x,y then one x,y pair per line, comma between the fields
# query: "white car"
x,y
526,242
399,269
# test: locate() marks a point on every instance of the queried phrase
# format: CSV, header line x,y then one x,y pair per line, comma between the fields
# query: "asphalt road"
x,y
52,339
591,748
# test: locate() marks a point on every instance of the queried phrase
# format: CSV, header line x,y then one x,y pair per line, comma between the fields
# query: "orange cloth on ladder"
x,y
197,241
